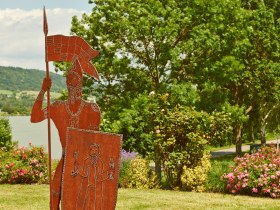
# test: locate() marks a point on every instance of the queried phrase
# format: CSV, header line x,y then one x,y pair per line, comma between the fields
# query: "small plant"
x,y
23,165
5,134
135,172
126,158
194,179
140,175
258,173
218,168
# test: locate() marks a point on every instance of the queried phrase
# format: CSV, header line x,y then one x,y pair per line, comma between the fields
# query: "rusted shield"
x,y
91,170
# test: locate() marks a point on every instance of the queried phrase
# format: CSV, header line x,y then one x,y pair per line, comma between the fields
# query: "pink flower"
x,y
278,173
266,190
273,195
255,190
41,174
30,143
233,191
24,157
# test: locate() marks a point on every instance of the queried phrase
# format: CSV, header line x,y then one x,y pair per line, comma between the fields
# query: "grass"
x,y
6,92
27,92
36,197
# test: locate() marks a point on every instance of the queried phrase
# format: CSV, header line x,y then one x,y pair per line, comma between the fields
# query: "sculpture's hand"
x,y
47,83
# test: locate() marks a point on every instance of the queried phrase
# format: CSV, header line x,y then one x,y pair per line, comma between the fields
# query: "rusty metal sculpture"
x,y
87,174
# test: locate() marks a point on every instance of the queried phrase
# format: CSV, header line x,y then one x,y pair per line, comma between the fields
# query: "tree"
x,y
237,57
142,45
221,48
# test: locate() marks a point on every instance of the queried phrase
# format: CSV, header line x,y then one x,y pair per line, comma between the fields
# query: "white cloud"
x,y
22,37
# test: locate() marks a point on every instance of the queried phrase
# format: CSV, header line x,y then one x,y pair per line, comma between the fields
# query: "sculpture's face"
x,y
73,80
94,150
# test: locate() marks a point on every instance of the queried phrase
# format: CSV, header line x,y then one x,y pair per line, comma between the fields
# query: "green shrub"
x,y
194,179
5,133
182,143
218,168
23,165
136,173
124,174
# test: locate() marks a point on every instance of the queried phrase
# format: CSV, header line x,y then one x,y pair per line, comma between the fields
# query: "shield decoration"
x,y
90,170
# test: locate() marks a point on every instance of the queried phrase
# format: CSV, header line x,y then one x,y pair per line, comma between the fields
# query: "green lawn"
x,y
6,92
36,197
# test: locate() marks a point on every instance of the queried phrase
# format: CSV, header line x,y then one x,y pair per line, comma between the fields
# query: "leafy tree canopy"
x,y
217,56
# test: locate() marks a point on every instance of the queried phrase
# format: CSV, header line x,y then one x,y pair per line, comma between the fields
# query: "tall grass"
x,y
219,166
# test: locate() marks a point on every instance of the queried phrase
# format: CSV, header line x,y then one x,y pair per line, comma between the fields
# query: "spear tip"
x,y
45,22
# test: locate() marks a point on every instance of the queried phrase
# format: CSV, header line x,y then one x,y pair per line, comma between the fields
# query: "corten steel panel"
x,y
91,170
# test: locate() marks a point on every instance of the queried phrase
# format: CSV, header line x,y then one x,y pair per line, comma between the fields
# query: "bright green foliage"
x,y
194,179
219,57
181,143
18,79
123,176
16,105
5,134
237,53
137,173
220,130
23,165
218,168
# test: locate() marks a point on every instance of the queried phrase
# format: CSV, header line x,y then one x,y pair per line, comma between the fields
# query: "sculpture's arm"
x,y
85,171
37,113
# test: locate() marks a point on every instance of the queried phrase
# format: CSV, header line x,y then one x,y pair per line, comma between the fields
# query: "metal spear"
x,y
48,105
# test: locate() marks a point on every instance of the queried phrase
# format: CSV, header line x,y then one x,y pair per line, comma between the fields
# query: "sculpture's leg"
x,y
56,186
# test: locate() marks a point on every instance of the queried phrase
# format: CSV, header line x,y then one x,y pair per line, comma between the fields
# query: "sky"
x,y
21,28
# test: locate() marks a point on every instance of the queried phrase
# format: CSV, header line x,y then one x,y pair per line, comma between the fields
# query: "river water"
x,y
24,132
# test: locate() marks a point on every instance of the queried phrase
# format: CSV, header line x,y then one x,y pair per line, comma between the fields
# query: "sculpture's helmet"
x,y
72,49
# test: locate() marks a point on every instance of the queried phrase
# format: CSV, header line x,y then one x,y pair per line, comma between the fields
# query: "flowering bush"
x,y
135,172
23,165
126,158
258,173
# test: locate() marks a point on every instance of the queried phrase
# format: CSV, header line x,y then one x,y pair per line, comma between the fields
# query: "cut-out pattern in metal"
x,y
91,167
83,179
94,175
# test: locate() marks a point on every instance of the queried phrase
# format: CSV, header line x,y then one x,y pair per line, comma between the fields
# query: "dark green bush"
x,y
5,133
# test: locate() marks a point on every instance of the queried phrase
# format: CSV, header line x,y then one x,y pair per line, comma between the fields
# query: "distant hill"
x,y
19,79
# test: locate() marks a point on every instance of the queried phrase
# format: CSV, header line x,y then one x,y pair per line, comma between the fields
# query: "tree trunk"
x,y
157,163
238,140
158,169
252,131
263,135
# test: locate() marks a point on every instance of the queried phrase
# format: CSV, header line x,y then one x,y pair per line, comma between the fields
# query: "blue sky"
x,y
50,4
21,28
